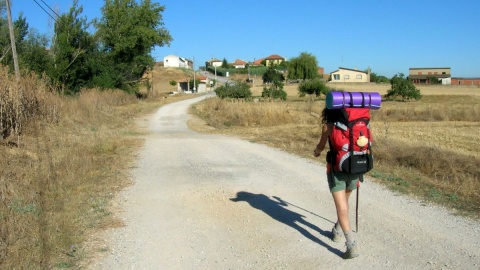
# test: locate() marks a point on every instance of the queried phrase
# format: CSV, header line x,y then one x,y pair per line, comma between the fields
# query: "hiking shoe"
x,y
352,250
336,235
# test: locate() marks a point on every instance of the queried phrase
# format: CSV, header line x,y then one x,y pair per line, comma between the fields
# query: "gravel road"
x,y
213,202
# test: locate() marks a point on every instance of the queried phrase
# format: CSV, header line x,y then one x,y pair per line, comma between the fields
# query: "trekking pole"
x,y
358,193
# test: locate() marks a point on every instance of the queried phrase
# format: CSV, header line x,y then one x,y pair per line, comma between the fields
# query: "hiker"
x,y
341,187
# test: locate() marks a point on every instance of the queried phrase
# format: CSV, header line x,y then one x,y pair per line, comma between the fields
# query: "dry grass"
x,y
62,160
427,90
426,148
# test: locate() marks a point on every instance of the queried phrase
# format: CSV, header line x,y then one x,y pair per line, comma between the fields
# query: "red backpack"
x,y
350,142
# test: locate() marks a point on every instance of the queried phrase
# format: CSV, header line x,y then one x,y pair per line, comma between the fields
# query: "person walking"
x,y
341,186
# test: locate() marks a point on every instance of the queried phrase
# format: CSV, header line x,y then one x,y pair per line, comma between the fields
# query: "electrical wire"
x,y
46,11
50,8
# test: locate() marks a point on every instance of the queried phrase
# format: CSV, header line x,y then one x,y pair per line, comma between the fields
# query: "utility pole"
x,y
193,66
12,41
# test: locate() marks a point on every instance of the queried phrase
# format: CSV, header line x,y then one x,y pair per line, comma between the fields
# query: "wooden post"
x,y
12,41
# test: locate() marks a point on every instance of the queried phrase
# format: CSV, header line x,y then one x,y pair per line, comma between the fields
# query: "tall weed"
x,y
61,160
22,101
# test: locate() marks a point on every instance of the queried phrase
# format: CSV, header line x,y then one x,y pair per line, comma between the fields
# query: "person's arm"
x,y
326,130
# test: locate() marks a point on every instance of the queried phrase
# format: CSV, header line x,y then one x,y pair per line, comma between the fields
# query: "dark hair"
x,y
332,116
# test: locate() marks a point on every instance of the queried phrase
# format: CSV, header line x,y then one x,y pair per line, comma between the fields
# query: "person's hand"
x,y
316,153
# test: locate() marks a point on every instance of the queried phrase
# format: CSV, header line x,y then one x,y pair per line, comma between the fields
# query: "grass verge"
x,y
62,160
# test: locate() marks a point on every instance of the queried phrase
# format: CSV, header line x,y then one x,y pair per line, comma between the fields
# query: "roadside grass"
x,y
62,161
425,148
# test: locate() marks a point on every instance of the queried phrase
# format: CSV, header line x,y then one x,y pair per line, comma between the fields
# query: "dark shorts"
x,y
342,181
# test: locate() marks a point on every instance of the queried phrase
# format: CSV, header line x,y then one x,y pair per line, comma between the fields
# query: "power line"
x,y
50,8
45,10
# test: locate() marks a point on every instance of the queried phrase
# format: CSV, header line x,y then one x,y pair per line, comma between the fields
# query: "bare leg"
x,y
341,203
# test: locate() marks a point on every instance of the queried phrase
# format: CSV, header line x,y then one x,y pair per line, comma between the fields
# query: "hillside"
x,y
162,76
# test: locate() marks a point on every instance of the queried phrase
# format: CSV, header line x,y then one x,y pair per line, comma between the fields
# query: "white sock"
x,y
349,236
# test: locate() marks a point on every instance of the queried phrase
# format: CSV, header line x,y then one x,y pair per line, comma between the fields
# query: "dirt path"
x,y
213,202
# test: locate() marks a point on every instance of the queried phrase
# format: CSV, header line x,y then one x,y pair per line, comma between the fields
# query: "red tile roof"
x,y
259,61
239,62
274,57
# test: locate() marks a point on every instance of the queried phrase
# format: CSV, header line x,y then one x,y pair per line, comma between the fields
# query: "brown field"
x,y
292,89
426,148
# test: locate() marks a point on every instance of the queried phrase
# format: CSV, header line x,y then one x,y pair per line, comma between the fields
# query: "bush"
x,y
194,83
275,91
315,86
272,75
403,87
173,82
234,90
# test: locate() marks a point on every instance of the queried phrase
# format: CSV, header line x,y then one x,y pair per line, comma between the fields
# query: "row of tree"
x,y
115,54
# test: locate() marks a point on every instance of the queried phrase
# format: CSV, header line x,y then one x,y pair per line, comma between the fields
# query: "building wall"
x,y
429,71
275,62
465,81
175,61
349,76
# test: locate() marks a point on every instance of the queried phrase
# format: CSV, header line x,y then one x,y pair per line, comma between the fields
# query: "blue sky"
x,y
387,36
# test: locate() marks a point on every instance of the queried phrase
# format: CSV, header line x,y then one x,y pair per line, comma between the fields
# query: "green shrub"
x,y
315,86
275,91
173,82
402,87
234,90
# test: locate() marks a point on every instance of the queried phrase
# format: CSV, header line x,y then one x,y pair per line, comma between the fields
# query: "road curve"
x,y
214,202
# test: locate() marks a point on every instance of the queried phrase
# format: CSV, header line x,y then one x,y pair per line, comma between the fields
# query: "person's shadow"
x,y
276,210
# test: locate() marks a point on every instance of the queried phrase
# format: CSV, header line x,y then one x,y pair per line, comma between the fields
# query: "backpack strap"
x,y
331,158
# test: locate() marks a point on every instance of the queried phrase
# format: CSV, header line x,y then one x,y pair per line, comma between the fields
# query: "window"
x,y
359,76
346,77
336,77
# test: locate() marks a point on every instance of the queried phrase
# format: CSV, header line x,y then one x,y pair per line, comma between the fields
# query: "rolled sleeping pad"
x,y
338,100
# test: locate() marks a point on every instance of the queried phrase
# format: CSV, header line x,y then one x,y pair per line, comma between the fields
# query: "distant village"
x,y
418,75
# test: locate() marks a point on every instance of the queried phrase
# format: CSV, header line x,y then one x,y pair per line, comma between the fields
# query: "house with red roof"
x,y
258,62
239,63
274,60
214,62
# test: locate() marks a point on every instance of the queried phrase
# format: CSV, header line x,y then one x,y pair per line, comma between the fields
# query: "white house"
x,y
214,62
176,61
239,63
347,75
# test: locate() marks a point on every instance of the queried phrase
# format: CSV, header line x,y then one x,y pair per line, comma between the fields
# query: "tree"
x,y
33,55
315,86
20,28
275,91
128,31
433,80
272,75
303,67
378,78
72,49
402,87
225,63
